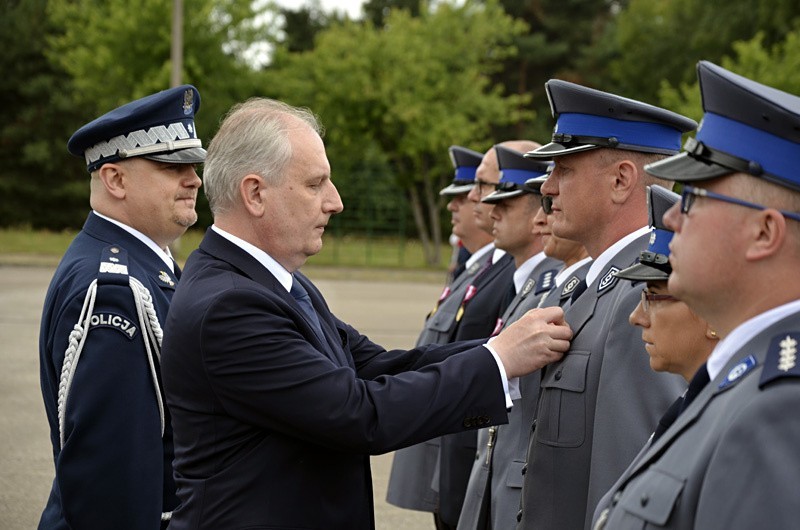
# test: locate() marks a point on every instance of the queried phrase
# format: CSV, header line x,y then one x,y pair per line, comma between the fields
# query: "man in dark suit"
x,y
276,403
730,459
100,336
599,403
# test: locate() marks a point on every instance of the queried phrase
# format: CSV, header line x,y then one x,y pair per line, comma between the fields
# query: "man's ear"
x,y
625,181
768,231
253,192
112,177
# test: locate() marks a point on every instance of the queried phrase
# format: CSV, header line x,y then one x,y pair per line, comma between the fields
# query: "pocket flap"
x,y
569,373
653,497
514,475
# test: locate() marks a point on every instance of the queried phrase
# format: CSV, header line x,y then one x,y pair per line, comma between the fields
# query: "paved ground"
x,y
389,312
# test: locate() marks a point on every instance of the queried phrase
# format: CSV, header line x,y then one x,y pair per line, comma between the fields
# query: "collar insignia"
x,y
570,286
738,371
609,280
164,277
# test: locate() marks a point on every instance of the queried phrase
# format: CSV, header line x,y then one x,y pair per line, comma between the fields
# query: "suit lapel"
x,y
250,267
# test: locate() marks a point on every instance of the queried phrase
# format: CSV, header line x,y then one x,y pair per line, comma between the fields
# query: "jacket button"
x,y
644,500
524,469
615,499
558,376
519,516
533,425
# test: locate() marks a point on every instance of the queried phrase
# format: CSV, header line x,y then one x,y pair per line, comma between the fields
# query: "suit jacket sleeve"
x,y
113,451
267,373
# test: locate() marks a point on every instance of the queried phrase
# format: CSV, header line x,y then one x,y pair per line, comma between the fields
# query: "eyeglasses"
x,y
689,193
483,183
547,204
648,297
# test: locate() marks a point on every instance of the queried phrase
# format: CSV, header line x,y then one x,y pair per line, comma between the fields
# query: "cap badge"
x,y
188,101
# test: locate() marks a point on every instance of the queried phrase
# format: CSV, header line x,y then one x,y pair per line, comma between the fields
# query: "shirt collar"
x,y
745,332
567,272
165,255
276,269
600,262
479,254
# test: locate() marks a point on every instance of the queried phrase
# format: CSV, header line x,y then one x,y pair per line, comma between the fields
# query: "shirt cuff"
x,y
510,387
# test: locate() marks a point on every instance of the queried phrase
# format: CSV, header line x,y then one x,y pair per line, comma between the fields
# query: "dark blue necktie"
x,y
304,301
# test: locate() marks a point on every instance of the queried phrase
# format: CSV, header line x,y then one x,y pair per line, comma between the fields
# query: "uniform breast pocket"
x,y
650,498
562,412
443,319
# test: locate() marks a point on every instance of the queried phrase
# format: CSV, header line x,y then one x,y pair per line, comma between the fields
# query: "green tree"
x,y
776,65
662,41
41,184
399,96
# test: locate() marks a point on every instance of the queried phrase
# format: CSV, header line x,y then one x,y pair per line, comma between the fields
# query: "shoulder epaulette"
x,y
113,266
781,360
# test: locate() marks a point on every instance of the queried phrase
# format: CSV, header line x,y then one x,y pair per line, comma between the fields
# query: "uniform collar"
x,y
165,255
567,271
524,270
601,261
743,333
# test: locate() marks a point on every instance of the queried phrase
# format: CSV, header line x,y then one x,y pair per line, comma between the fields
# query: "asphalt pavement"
x,y
390,312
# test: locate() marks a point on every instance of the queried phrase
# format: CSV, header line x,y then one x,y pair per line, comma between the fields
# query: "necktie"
x,y
699,381
304,301
176,269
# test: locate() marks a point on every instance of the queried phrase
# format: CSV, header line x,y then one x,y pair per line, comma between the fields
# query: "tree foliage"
x,y
403,93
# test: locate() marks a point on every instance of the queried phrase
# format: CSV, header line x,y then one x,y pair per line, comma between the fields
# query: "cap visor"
x,y
193,155
554,149
640,272
683,167
497,196
452,189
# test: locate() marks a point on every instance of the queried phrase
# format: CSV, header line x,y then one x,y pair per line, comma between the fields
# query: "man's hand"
x,y
537,339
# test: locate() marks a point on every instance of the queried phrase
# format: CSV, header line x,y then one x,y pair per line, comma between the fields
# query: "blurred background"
x,y
394,81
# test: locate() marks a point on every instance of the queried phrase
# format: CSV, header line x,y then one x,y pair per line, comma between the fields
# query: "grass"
x,y
355,257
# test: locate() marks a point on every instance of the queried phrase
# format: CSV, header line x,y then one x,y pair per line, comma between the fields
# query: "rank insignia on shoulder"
x,y
738,371
570,286
608,280
164,277
781,360
114,321
545,281
113,266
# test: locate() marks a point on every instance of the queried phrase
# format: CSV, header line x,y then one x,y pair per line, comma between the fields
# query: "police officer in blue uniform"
x,y
100,339
730,459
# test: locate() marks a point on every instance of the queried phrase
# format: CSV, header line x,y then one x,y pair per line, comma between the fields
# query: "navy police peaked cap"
x,y
465,162
654,261
747,127
589,119
515,171
157,127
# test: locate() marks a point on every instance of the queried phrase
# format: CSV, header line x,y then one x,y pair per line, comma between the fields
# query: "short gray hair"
x,y
253,139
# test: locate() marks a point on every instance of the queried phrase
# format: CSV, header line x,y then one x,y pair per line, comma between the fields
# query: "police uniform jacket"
x,y
730,460
433,475
411,481
495,481
274,425
598,404
115,467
